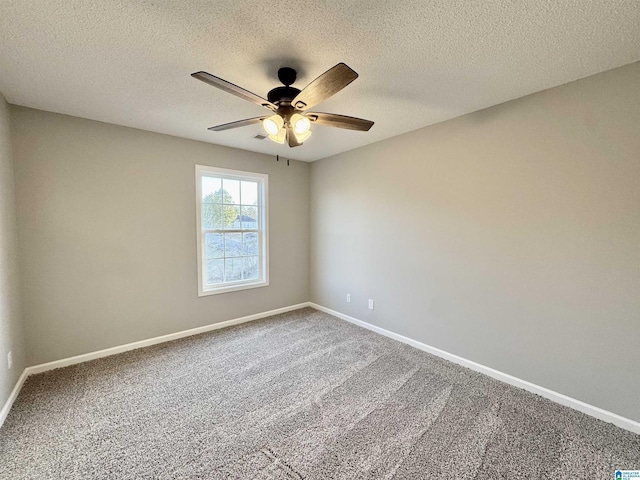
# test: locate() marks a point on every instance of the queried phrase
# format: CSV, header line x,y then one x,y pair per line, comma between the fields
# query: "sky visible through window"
x,y
247,191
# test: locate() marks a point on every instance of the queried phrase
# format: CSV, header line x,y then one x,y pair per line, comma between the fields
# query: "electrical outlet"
x,y
370,304
9,361
348,298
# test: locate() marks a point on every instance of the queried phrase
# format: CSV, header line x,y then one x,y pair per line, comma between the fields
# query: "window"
x,y
232,230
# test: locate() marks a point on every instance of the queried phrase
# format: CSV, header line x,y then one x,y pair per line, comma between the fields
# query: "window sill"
x,y
232,288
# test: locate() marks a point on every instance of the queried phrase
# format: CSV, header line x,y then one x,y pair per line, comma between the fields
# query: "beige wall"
x,y
510,237
11,334
106,223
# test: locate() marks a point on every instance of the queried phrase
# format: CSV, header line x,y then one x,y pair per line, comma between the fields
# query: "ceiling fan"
x,y
290,119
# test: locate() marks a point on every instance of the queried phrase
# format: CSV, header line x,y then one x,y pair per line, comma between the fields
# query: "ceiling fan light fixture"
x,y
280,136
300,123
273,125
301,137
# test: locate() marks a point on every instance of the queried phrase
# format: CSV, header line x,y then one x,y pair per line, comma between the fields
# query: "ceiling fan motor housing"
x,y
282,94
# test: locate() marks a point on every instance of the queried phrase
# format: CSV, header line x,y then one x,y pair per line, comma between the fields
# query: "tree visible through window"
x,y
231,229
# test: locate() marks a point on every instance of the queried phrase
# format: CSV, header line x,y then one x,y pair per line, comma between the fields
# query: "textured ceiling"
x,y
420,62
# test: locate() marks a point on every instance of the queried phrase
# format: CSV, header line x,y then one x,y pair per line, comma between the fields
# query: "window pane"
x,y
250,244
250,268
231,191
231,217
249,193
249,217
232,244
214,272
214,245
212,216
210,185
218,197
233,269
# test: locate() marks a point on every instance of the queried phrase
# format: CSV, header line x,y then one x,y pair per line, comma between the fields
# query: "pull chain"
x,y
278,159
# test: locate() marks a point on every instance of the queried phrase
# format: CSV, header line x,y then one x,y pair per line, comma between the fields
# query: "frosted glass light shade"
x,y
300,123
279,137
302,136
273,124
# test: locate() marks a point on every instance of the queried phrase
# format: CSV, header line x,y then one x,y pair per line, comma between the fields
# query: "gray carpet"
x,y
297,396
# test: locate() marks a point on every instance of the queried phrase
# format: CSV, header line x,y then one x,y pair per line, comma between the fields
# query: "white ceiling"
x,y
420,62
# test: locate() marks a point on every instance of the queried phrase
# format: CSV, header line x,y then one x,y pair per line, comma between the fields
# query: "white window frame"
x,y
263,229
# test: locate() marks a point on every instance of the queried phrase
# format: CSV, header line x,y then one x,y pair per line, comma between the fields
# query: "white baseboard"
x,y
155,340
65,362
583,407
579,405
12,398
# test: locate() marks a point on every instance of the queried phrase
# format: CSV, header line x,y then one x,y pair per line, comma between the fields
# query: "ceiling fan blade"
x,y
233,89
239,123
291,138
340,121
325,86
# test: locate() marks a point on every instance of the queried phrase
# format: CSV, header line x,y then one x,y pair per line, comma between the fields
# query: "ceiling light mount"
x,y
287,76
